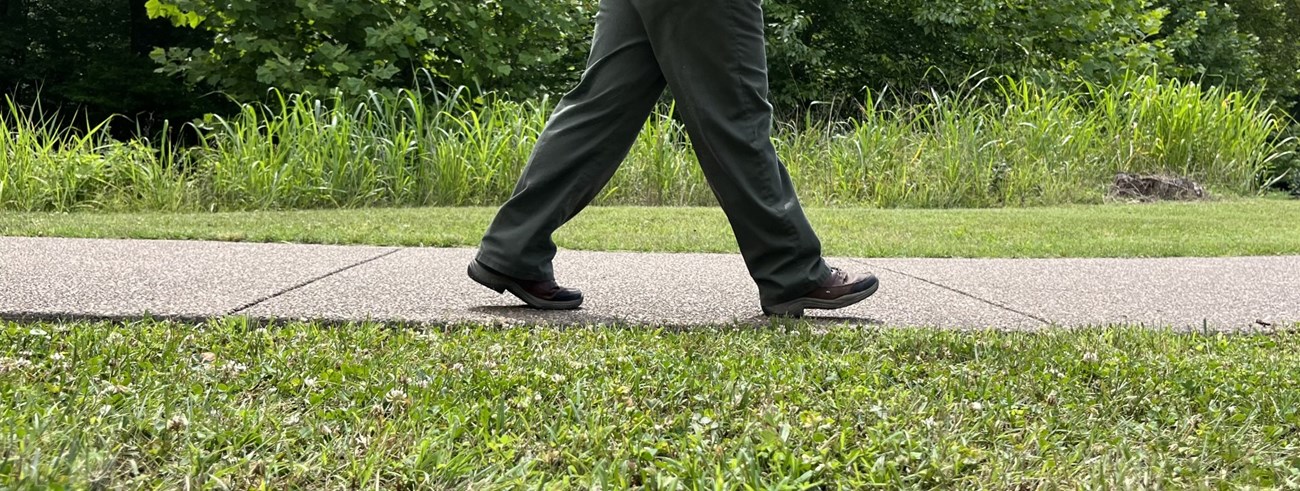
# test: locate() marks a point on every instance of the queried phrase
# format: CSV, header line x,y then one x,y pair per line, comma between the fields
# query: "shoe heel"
x,y
477,276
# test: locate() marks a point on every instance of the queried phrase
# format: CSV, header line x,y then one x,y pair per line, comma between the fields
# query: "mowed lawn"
x,y
229,405
1221,228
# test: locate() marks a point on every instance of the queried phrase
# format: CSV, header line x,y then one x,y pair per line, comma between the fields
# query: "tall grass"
x,y
1033,146
404,150
1014,144
44,166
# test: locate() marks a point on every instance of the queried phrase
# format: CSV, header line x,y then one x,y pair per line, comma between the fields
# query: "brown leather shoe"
x,y
840,290
545,295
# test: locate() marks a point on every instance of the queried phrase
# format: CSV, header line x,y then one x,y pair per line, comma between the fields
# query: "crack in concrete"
x,y
310,281
1007,308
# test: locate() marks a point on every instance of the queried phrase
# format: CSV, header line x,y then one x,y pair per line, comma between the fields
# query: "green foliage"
x,y
1276,25
819,49
48,166
1031,145
823,49
1208,43
91,57
1284,174
524,47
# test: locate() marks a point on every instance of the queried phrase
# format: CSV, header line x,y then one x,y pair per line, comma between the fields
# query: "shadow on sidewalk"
x,y
523,314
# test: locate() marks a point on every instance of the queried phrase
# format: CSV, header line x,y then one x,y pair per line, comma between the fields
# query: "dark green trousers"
x,y
711,54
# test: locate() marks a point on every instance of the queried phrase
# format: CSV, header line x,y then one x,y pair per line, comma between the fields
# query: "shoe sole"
x,y
502,284
796,307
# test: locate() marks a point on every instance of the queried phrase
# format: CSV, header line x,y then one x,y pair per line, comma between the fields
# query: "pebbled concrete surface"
x,y
52,278
1186,293
429,285
79,278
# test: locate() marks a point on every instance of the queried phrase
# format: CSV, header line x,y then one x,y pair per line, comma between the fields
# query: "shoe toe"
x,y
864,283
567,295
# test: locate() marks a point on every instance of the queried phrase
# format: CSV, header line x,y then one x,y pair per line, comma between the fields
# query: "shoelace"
x,y
838,276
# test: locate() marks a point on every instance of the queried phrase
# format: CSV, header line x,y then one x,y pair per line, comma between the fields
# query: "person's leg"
x,y
712,54
588,136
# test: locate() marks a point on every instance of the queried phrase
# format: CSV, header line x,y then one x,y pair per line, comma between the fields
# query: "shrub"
x,y
91,58
524,47
824,49
819,49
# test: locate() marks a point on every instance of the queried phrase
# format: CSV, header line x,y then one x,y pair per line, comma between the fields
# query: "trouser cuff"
x,y
509,269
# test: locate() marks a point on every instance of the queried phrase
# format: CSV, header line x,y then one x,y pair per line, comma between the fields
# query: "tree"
x,y
524,47
92,57
1276,26
837,48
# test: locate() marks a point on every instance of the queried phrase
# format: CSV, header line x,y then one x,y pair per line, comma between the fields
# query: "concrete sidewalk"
x,y
95,279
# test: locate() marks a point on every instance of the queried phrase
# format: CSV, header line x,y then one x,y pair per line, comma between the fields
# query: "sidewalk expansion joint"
x,y
299,286
959,292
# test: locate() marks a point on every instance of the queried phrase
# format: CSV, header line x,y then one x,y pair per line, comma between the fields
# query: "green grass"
x,y
1011,145
226,405
1226,228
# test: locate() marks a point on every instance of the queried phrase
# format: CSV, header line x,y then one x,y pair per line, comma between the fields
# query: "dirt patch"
x,y
1133,187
